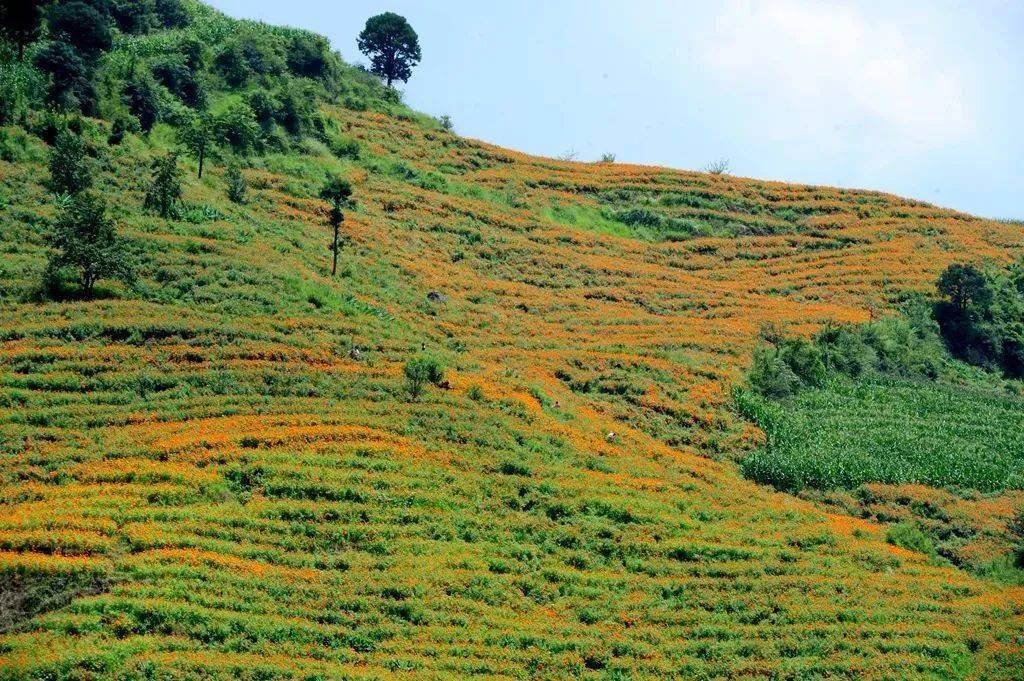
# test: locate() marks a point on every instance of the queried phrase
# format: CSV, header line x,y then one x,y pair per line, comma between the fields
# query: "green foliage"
x,y
199,136
81,26
910,537
21,89
237,127
181,80
422,371
1016,530
164,190
237,186
20,22
86,242
981,316
141,97
70,78
337,192
877,402
70,172
392,46
248,55
783,366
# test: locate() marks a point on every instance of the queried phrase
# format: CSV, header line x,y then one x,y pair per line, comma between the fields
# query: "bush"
x,y
786,366
238,128
420,372
182,81
236,183
69,169
81,26
309,56
910,537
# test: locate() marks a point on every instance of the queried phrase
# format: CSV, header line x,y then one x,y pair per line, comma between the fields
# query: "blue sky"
x,y
922,99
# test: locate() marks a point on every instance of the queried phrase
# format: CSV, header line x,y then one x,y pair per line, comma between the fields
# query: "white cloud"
x,y
834,72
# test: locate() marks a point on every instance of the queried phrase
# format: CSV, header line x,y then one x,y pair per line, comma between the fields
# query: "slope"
x,y
212,483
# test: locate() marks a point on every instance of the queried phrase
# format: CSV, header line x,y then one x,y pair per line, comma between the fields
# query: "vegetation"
x,y
338,193
69,169
218,472
421,372
392,46
86,242
982,316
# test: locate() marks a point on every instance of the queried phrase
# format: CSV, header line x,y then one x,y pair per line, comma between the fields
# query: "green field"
x,y
852,432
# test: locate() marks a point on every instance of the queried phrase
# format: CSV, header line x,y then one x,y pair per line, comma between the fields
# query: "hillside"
x,y
218,471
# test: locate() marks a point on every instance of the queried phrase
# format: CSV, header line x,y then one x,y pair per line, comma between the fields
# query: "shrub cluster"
x,y
903,347
981,316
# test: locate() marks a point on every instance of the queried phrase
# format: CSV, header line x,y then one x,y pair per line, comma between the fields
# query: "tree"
x,y
140,95
81,26
86,240
392,46
70,77
165,188
20,21
69,171
199,136
172,13
337,192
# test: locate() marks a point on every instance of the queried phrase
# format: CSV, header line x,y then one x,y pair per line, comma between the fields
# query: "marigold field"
x,y
219,473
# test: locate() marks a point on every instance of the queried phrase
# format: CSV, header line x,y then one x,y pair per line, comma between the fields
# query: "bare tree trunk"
x,y
334,264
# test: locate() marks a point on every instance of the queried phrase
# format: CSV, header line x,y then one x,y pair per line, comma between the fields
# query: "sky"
x,y
922,98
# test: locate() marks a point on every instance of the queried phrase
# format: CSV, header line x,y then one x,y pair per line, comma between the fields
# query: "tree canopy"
x,y
392,46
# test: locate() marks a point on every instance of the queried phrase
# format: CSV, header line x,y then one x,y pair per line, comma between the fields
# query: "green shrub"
x,y
420,372
910,537
237,186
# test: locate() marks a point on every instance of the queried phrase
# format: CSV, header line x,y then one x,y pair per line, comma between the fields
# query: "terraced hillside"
x,y
219,472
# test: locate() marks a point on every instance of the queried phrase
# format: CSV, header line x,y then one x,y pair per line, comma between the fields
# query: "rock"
x,y
436,297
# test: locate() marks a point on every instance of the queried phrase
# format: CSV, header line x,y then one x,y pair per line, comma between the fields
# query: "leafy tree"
x,y
69,169
134,17
183,82
199,136
165,188
338,193
141,97
20,21
82,26
237,186
70,78
392,46
86,241
171,13
421,371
